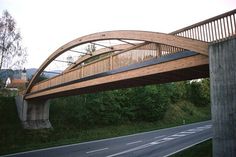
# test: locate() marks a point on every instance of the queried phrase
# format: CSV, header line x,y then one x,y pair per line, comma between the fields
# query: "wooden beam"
x,y
189,62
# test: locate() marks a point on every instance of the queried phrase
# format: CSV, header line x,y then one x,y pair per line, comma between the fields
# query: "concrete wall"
x,y
223,97
33,114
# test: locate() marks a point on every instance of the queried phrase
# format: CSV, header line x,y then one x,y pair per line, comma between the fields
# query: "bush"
x,y
198,92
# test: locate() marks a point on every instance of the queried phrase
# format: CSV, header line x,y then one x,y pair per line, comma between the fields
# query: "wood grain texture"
x,y
163,68
176,41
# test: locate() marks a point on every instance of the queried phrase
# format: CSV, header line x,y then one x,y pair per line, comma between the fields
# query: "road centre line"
x,y
179,135
142,146
187,132
133,142
97,150
168,138
160,136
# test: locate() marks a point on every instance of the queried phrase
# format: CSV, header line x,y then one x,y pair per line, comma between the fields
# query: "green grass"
x,y
14,139
201,150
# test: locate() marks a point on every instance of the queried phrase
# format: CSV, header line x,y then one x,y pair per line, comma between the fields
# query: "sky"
x,y
45,25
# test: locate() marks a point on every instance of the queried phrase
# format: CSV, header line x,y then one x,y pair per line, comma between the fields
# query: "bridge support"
x,y
223,97
33,114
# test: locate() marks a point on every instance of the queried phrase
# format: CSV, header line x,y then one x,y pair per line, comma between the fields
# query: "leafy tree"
x,y
198,92
12,54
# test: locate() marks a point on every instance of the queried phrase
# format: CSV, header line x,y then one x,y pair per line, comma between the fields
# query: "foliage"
x,y
12,54
148,104
7,93
198,92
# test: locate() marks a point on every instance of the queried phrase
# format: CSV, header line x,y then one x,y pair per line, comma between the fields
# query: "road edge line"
x,y
187,147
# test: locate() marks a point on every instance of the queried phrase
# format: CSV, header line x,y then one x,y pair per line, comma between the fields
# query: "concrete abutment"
x,y
222,58
33,114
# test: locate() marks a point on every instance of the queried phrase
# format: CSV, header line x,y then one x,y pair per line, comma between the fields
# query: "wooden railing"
x,y
138,54
214,29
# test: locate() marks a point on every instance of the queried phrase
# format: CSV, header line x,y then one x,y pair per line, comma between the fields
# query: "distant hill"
x,y
5,73
30,72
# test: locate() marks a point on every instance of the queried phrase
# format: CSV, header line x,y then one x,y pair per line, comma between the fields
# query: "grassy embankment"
x,y
14,139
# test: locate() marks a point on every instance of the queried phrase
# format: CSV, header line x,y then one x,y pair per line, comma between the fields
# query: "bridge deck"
x,y
179,66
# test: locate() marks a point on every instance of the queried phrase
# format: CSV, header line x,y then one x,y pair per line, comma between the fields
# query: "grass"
x,y
201,150
15,139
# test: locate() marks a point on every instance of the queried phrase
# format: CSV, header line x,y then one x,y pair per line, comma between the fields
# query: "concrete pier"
x,y
222,58
33,114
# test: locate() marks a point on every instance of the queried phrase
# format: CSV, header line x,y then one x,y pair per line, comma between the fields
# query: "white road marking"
x,y
178,135
187,132
192,130
156,142
162,140
171,137
160,136
97,150
187,147
142,146
130,150
168,138
133,142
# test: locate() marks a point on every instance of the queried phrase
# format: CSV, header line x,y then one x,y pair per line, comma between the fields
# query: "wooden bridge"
x,y
155,58
138,58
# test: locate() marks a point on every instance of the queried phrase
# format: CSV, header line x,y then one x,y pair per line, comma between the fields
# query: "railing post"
x,y
111,62
82,71
158,50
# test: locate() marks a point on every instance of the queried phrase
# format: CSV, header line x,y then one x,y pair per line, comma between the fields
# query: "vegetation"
x,y
108,114
203,150
12,54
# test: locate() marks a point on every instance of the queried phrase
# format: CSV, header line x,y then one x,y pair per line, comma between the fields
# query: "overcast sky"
x,y
46,25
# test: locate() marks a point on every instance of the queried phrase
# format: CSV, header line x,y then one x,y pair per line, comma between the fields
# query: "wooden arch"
x,y
161,38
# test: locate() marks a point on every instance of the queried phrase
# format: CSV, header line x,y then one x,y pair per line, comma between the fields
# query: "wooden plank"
x,y
188,62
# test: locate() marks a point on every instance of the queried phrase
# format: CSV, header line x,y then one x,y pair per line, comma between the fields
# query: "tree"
x,y
12,54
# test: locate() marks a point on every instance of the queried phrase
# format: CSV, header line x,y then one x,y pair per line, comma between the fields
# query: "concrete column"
x,y
223,97
33,114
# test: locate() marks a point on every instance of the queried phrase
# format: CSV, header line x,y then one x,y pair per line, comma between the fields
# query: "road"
x,y
158,143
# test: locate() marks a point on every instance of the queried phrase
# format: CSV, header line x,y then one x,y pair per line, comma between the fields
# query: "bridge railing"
x,y
137,54
214,29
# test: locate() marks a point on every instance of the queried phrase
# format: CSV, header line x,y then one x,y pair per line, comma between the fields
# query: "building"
x,y
15,84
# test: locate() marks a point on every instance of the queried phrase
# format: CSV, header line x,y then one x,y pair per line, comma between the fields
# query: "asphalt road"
x,y
158,143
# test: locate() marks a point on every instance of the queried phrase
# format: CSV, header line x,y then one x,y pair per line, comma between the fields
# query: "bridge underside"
x,y
181,66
